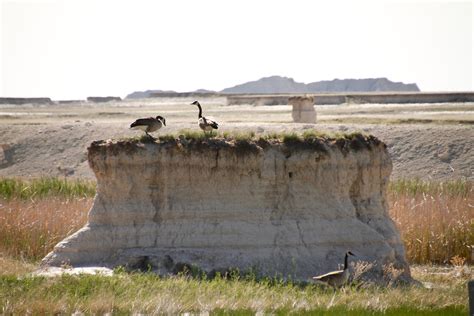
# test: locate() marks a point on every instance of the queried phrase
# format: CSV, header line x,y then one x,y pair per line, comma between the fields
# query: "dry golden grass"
x,y
436,220
29,229
10,266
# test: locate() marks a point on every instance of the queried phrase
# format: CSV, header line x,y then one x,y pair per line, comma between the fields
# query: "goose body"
x,y
205,124
149,124
336,278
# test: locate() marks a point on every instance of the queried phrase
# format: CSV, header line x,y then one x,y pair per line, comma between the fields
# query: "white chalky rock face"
x,y
280,209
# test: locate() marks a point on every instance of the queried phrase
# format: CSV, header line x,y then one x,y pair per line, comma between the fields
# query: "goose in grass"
x,y
337,278
205,124
149,124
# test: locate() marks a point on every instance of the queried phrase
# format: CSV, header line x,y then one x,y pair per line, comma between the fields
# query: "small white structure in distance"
x,y
303,109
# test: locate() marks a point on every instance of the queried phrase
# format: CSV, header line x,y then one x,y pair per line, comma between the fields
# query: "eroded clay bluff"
x,y
280,208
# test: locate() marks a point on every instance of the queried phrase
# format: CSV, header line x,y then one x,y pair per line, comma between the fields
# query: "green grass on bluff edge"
x,y
284,137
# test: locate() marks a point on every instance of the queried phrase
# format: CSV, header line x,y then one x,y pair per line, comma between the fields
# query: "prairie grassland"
x,y
12,188
29,229
436,219
126,293
37,214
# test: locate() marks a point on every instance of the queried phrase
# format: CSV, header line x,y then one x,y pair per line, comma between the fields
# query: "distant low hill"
x,y
166,93
145,94
278,84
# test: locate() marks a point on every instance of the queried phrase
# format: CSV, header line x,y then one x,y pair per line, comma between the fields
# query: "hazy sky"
x,y
73,49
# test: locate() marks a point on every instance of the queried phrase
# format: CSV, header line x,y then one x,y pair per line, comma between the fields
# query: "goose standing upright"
x,y
337,278
204,123
149,124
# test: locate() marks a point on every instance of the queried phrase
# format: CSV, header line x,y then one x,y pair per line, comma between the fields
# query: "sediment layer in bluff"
x,y
290,207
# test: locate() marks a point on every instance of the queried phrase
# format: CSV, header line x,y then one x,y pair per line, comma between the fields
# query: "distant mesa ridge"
x,y
278,84
103,99
146,94
19,101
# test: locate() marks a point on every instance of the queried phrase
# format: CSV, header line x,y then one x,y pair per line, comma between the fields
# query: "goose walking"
x,y
205,124
337,278
149,124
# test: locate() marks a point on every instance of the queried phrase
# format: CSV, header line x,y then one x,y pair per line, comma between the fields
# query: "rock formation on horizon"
x,y
146,93
103,99
277,84
21,101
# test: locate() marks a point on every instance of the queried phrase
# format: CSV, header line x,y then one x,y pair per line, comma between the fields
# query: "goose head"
x,y
162,119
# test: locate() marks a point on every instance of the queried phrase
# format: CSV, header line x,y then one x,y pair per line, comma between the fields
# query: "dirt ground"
x,y
427,141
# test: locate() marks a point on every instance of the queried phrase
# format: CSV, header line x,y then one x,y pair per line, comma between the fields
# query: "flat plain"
x,y
426,141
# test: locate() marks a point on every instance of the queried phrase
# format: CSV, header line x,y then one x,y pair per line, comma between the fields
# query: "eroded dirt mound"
x,y
289,208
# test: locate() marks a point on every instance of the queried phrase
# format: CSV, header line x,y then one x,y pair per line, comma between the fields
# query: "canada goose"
x,y
205,124
336,278
149,124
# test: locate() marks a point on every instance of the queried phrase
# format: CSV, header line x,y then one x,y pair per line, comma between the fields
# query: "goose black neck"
x,y
200,110
345,261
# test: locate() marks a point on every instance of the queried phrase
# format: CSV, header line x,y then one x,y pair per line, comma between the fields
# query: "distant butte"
x,y
278,84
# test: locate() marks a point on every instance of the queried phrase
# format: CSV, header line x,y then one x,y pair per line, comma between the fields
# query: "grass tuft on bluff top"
x,y
250,142
247,136
311,139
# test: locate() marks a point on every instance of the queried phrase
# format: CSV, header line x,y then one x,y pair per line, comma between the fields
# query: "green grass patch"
x,y
166,138
313,134
243,136
11,188
150,294
459,187
291,138
251,136
248,142
197,135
